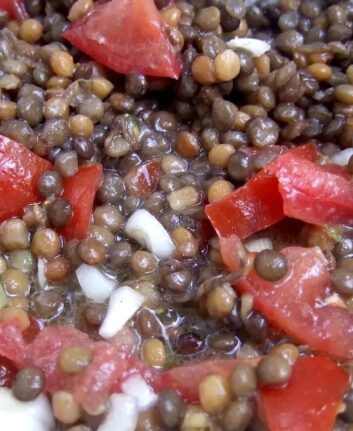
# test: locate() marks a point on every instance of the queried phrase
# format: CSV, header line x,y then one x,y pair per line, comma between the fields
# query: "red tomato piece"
x,y
310,193
136,42
109,366
143,180
187,378
296,303
15,8
8,371
249,209
309,401
80,190
20,170
307,151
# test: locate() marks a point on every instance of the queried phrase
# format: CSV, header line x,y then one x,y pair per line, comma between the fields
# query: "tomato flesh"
x,y
248,209
296,303
15,8
80,190
309,401
7,372
311,193
187,378
20,170
127,36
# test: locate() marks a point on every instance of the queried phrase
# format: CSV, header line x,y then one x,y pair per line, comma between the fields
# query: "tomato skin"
x,y
295,304
309,401
311,193
248,209
80,190
15,8
20,170
137,42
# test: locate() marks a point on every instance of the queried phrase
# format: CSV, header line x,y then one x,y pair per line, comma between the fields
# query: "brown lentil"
x,y
14,234
73,360
183,198
80,125
65,408
237,415
227,65
271,265
28,383
220,301
187,145
62,63
15,282
214,393
290,352
10,312
203,70
273,369
46,243
344,93
92,251
79,9
30,30
153,352
170,407
243,380
218,190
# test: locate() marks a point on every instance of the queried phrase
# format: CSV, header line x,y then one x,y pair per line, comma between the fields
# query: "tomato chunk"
x,y
15,8
311,193
296,303
309,401
293,186
20,170
187,378
80,190
249,209
109,365
136,41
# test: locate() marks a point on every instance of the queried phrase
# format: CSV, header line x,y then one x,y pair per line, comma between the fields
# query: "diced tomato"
x,y
136,41
187,378
307,151
143,180
309,401
296,303
20,170
80,190
310,193
108,367
249,209
8,371
292,185
15,8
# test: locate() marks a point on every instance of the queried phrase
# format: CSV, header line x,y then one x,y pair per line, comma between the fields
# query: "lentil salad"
x,y
176,215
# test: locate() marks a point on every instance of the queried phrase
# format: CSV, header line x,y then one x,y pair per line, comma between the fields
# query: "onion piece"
x,y
256,47
94,283
259,244
342,158
123,414
41,266
123,304
150,233
137,387
33,415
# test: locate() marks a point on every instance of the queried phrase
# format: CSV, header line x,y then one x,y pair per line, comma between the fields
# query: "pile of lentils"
x,y
205,130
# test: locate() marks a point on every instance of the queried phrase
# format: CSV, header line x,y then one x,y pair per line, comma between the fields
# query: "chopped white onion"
x,y
42,280
123,414
342,158
33,415
123,304
137,387
94,283
256,47
259,244
150,233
